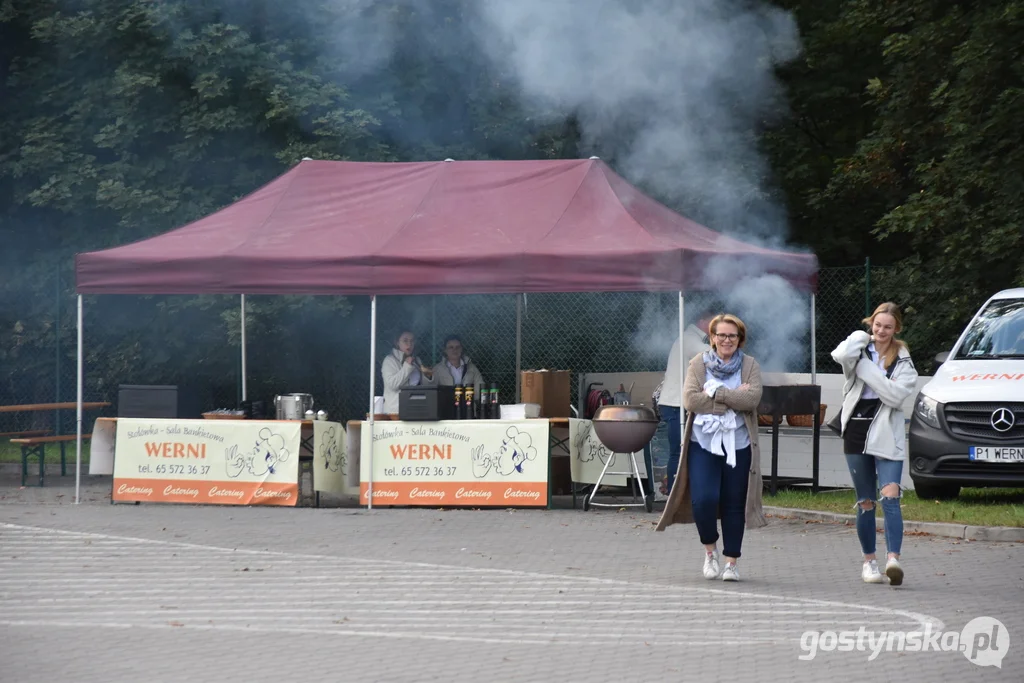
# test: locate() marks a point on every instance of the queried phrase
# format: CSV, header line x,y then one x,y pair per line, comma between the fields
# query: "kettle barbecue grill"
x,y
624,429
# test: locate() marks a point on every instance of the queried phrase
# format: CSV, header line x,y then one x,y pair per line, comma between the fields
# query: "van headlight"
x,y
927,410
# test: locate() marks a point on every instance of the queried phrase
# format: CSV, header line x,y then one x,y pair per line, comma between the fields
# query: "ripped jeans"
x,y
870,475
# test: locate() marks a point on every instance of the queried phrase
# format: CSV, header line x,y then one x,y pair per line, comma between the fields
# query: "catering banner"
x,y
474,463
330,458
227,462
587,457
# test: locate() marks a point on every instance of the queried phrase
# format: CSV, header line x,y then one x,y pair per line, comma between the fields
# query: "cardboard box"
x,y
549,389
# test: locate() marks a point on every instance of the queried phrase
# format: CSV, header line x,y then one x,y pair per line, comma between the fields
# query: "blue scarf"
x,y
720,369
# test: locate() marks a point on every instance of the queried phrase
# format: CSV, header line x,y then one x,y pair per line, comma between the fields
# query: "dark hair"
x,y
709,311
452,337
394,340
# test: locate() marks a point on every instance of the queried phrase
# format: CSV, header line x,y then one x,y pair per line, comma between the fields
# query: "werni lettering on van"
x,y
988,377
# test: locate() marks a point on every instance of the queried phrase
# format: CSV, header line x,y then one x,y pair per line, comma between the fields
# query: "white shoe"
x,y
711,567
731,573
894,571
870,572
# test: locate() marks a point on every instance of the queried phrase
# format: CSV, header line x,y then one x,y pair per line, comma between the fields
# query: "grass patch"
x,y
10,452
977,507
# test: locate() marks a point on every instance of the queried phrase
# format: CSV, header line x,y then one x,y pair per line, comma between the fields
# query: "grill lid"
x,y
624,413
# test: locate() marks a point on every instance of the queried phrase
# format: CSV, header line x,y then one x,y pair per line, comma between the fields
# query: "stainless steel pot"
x,y
292,406
625,428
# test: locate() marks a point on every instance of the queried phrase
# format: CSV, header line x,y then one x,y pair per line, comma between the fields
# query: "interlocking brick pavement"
x,y
100,592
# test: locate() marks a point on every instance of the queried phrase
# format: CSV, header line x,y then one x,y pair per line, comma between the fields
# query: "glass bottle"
x,y
495,403
458,402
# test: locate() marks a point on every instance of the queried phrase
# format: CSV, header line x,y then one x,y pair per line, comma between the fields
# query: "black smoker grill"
x,y
792,399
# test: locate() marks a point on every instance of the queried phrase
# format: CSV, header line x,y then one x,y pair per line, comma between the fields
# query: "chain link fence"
x,y
320,345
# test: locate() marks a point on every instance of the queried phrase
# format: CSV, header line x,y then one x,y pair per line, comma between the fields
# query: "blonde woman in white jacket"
x,y
879,376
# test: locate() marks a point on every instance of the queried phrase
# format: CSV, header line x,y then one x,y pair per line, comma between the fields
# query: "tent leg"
x,y
78,411
373,388
519,346
814,342
682,352
245,392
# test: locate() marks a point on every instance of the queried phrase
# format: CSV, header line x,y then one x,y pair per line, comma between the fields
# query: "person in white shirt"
x,y
694,341
402,368
456,367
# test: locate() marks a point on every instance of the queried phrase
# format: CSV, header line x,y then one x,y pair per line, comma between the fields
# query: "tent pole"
x,y
373,388
682,353
56,367
78,409
245,392
519,346
814,342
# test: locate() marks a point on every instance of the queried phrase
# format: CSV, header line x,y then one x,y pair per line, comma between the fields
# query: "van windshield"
x,y
997,333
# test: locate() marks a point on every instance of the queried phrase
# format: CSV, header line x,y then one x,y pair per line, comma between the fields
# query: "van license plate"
x,y
998,453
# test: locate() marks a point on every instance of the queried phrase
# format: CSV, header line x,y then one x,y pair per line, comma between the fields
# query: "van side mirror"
x,y
942,357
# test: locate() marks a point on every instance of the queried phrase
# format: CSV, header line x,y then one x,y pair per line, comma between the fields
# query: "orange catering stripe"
x,y
454,494
205,492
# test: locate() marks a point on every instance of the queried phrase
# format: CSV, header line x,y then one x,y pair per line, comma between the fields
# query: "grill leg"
x,y
775,452
816,452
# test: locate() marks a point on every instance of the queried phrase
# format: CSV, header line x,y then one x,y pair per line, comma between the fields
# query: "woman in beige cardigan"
x,y
720,464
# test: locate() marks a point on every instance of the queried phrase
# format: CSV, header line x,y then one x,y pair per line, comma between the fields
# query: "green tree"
x,y
945,157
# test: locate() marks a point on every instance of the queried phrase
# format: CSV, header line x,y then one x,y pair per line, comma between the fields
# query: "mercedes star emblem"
x,y
1002,420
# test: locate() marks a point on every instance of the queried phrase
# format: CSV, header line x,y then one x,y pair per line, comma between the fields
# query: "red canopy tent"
x,y
449,227
331,227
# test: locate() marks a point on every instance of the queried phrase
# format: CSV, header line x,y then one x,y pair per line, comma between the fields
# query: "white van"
x,y
968,423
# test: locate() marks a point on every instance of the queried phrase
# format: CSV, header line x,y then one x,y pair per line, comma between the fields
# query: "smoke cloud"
x,y
673,92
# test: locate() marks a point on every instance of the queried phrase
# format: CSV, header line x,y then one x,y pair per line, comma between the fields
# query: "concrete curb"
x,y
1002,534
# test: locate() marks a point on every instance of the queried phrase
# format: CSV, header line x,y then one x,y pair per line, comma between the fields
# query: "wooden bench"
x,y
27,432
36,445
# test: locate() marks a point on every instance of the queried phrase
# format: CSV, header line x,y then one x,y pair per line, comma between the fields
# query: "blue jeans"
x,y
670,414
868,472
715,487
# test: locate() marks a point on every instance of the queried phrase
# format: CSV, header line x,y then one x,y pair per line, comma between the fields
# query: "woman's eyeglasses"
x,y
727,337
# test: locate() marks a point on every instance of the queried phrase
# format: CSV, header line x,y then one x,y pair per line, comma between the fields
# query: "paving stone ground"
x,y
100,592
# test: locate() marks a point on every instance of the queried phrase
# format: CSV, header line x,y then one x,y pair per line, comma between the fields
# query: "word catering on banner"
x,y
225,462
460,463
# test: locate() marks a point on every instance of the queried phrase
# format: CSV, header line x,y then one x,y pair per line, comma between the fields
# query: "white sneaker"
x,y
870,572
711,566
731,573
894,571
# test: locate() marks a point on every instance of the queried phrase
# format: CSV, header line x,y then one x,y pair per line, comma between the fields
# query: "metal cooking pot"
x,y
625,428
292,406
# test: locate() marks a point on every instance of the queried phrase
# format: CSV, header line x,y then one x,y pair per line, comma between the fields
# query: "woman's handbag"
x,y
856,434
836,423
